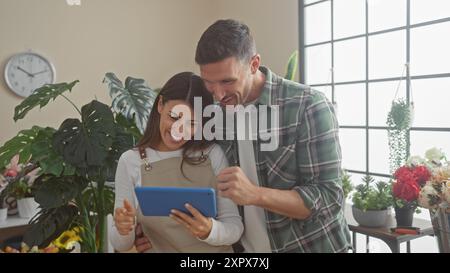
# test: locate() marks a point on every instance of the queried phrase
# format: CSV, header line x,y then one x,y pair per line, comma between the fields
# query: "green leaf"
x,y
86,143
123,141
52,192
20,144
292,66
41,97
46,156
49,224
129,126
134,101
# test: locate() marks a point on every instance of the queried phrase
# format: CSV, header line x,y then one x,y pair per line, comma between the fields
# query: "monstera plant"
x,y
76,160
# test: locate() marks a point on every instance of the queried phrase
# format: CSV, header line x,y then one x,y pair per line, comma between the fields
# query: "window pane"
x,y
309,1
381,95
431,102
345,25
422,141
429,10
351,102
318,64
350,60
386,14
326,89
378,152
387,55
430,49
318,23
353,144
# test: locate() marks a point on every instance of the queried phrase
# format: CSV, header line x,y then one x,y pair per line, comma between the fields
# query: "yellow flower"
x,y
68,239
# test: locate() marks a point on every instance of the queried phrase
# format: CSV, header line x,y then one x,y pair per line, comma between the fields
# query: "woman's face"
x,y
177,124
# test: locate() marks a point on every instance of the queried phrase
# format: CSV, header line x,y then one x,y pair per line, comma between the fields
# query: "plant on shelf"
x,y
370,197
398,121
371,202
76,160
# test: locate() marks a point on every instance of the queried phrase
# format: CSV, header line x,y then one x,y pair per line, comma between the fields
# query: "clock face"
x,y
25,72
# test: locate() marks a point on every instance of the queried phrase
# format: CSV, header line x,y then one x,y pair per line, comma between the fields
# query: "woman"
x,y
164,158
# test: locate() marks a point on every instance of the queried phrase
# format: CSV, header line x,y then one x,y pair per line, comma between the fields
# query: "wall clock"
x,y
27,71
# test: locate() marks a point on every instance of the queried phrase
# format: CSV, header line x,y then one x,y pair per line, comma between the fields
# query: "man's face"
x,y
228,80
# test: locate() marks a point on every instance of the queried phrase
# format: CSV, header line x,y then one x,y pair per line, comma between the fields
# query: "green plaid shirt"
x,y
308,160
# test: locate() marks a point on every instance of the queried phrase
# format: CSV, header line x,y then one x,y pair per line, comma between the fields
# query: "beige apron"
x,y
166,234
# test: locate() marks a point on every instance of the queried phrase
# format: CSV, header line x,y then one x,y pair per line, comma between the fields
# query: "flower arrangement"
x,y
423,182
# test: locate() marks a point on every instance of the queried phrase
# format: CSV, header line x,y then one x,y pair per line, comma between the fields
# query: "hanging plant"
x,y
398,121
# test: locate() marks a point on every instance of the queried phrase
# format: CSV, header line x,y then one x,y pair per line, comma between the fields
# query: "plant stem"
x,y
73,104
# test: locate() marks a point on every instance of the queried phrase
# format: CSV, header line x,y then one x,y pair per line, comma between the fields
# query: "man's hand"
x,y
141,242
235,185
124,218
197,224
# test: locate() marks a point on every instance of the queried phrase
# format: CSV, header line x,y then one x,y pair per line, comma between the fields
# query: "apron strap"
x,y
144,158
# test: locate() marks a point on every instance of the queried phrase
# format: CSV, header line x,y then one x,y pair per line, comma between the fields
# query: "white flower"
x,y
415,161
428,196
434,154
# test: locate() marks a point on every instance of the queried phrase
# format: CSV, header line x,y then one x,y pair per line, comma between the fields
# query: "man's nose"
x,y
218,92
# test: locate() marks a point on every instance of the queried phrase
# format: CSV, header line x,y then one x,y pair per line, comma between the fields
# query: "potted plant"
x,y
77,159
3,205
17,181
372,203
399,122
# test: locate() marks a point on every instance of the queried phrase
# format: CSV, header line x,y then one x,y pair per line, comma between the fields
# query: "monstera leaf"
x,y
46,156
52,192
86,143
49,224
134,100
41,97
20,144
124,139
292,66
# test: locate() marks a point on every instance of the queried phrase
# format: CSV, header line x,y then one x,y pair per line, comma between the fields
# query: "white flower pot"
x,y
3,215
27,207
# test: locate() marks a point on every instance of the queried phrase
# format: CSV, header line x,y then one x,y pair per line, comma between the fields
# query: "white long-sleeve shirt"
x,y
227,228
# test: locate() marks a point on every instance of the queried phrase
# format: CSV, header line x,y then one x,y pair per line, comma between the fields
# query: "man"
x,y
292,197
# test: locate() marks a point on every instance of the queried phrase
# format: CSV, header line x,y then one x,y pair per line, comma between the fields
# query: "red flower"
x,y
405,174
407,190
422,174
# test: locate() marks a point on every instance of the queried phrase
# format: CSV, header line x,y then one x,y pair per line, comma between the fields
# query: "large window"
x,y
360,52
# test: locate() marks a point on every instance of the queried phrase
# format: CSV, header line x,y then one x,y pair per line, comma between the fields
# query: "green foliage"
x,y
41,97
292,65
20,144
372,197
346,183
133,101
398,121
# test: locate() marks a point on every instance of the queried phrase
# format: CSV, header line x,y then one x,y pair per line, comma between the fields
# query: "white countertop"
x,y
14,221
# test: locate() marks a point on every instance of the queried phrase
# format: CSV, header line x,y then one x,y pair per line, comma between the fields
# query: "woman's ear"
x,y
160,105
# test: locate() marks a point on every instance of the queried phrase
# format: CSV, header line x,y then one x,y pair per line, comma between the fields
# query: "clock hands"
x,y
40,72
26,72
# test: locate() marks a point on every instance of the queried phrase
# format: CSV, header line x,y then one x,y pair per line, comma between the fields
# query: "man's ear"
x,y
160,105
255,63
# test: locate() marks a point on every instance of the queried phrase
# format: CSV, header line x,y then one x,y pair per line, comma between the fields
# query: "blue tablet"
x,y
158,201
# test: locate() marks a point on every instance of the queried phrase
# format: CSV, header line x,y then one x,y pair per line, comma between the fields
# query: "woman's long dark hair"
x,y
183,86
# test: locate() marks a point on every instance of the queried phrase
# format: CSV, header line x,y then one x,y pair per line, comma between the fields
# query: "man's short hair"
x,y
223,39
